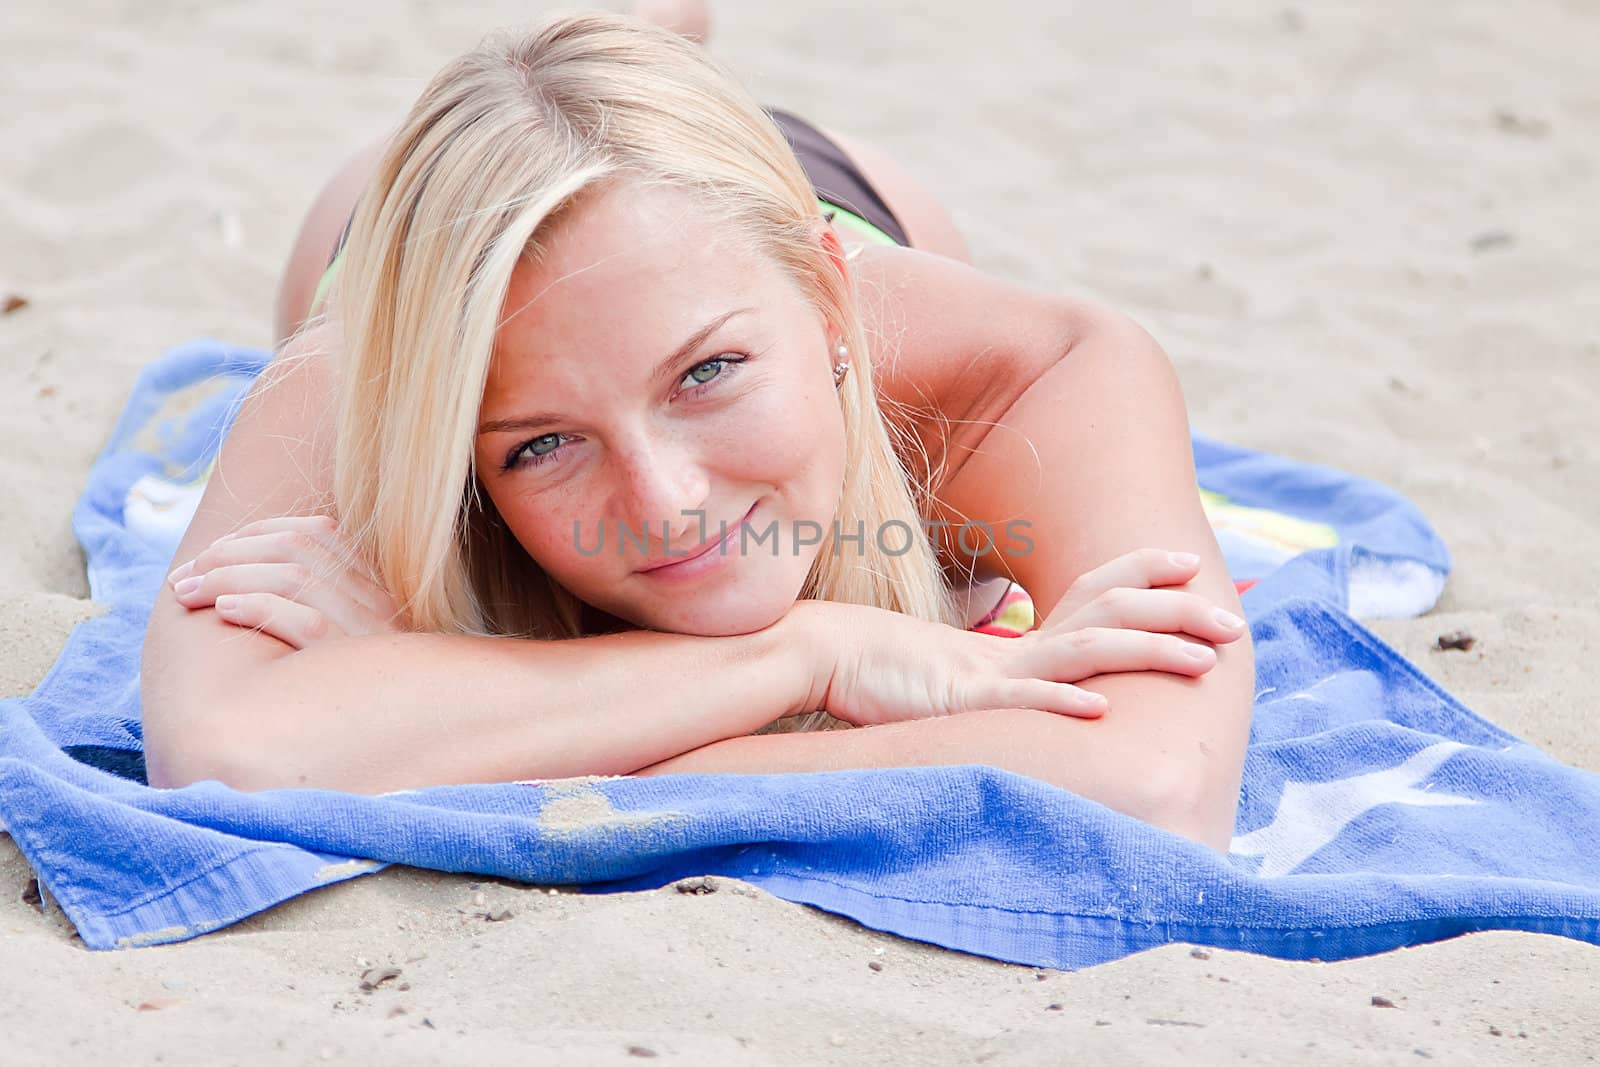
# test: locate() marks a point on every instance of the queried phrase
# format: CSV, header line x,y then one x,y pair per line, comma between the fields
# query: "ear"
x,y
829,240
835,250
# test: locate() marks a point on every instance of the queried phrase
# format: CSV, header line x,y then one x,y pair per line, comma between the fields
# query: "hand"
x,y
879,666
294,578
1125,593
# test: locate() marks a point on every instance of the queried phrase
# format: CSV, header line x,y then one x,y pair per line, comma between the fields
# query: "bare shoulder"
x,y
955,347
278,455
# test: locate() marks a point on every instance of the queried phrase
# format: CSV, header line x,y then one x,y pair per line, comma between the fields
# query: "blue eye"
x,y
533,452
720,367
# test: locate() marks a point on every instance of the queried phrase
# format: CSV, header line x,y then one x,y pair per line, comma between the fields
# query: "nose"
x,y
662,480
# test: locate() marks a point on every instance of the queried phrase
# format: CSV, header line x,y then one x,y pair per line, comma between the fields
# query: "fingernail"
x,y
1184,559
179,573
226,604
1198,652
1090,699
187,586
1228,619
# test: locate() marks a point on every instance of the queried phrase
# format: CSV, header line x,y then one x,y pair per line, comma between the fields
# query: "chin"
x,y
736,612
725,623
750,602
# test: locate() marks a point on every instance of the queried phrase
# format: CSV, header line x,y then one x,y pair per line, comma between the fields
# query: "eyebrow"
x,y
663,370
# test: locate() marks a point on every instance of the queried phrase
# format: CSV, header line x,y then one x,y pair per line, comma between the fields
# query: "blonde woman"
x,y
612,449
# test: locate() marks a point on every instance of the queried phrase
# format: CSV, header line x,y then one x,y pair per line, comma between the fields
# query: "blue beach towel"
x,y
1376,810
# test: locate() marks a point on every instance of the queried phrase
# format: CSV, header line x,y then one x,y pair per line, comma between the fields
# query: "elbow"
x,y
185,745
168,770
174,753
1204,819
174,759
201,723
1193,785
1197,802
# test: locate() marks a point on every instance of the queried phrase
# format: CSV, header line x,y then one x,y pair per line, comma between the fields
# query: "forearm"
x,y
1184,779
385,712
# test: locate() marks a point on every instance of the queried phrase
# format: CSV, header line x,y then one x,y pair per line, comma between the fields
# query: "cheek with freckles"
x,y
785,443
558,530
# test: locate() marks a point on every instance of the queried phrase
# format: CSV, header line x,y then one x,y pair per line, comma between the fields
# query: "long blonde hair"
x,y
500,142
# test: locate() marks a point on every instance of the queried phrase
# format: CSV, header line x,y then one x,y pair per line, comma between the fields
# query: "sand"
x,y
1364,232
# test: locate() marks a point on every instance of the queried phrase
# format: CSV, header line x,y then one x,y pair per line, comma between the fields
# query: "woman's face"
x,y
649,370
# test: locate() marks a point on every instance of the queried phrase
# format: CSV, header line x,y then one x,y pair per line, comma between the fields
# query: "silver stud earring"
x,y
842,365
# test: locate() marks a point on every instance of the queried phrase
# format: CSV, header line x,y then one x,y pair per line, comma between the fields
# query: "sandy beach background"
x,y
1365,232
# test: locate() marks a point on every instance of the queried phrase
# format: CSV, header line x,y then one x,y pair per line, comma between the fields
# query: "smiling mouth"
x,y
711,546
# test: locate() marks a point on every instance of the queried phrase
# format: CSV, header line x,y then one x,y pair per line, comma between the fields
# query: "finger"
x,y
1167,611
323,527
1143,568
1059,698
273,545
278,546
308,531
286,581
294,624
1083,653
334,566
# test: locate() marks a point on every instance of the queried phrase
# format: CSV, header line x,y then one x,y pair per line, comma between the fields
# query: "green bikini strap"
x,y
852,221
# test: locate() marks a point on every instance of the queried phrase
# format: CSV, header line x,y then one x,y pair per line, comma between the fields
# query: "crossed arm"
x,y
1075,425
1063,416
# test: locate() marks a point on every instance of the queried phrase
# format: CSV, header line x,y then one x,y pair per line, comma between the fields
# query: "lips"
x,y
667,561
657,562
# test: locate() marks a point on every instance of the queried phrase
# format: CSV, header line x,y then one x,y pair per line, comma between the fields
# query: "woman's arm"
x,y
366,711
1070,753
1115,470
398,711
1068,418
389,711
